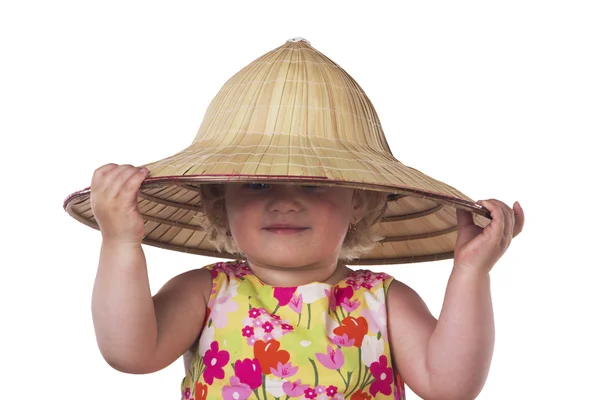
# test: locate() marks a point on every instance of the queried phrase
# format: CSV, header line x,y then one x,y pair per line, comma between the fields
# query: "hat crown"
x,y
297,93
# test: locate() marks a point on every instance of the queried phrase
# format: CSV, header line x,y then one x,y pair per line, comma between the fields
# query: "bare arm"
x,y
137,333
449,358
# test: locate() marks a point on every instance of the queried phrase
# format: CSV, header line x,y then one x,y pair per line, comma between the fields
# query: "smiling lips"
x,y
285,229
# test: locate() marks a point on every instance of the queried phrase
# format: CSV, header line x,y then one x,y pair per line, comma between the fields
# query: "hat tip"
x,y
298,39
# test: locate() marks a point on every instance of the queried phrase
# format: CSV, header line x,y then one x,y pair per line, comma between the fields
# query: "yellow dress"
x,y
315,341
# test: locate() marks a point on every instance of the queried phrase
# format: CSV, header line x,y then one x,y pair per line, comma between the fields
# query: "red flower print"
x,y
201,391
355,328
267,326
342,294
268,355
331,390
284,294
383,377
360,395
310,393
214,360
254,313
249,372
247,331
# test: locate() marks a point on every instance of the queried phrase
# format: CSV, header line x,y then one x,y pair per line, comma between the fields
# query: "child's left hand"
x,y
480,248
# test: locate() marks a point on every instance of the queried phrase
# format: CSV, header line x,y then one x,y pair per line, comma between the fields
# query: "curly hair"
x,y
359,239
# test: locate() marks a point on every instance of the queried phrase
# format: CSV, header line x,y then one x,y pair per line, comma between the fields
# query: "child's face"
x,y
289,225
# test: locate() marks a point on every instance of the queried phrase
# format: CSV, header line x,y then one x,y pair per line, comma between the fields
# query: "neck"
x,y
299,275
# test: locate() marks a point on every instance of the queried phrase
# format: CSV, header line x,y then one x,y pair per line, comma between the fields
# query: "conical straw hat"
x,y
294,115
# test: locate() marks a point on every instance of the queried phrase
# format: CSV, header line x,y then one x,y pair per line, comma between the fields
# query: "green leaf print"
x,y
316,373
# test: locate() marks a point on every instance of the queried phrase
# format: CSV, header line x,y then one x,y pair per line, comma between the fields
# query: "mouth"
x,y
285,229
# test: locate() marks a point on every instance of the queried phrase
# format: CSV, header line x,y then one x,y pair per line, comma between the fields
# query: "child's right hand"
x,y
113,196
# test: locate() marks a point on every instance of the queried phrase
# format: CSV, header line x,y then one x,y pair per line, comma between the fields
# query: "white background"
x,y
498,99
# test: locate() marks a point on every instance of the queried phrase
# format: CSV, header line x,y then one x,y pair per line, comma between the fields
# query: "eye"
x,y
257,186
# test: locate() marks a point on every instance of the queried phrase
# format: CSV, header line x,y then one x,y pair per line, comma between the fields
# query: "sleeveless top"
x,y
315,341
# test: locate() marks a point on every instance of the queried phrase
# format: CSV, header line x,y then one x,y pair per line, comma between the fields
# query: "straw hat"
x,y
294,115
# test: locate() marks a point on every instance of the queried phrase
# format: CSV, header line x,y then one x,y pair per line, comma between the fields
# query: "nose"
x,y
285,198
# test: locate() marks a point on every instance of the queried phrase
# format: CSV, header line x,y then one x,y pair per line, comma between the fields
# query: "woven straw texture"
x,y
294,115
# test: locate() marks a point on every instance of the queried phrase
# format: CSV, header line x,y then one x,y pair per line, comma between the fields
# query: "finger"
x,y
519,218
494,231
509,221
117,178
132,185
100,173
463,218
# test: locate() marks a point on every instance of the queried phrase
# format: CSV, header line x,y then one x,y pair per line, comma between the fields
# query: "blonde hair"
x,y
359,239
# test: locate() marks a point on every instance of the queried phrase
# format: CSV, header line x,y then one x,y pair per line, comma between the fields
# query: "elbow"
x,y
467,389
131,365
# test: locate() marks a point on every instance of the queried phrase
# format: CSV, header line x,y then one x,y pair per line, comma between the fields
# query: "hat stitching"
x,y
298,62
290,106
296,81
216,134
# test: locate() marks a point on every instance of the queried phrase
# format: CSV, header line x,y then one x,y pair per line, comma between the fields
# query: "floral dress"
x,y
315,341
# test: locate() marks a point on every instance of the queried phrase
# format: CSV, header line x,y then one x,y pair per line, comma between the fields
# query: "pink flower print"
x,y
383,377
331,299
251,340
284,294
275,317
375,312
249,372
334,359
215,360
254,313
237,390
257,322
223,303
342,341
320,389
294,389
268,337
268,327
366,279
247,331
331,390
187,393
310,393
350,306
296,303
287,327
284,371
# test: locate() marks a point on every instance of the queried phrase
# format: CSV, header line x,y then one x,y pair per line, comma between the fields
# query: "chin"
x,y
284,259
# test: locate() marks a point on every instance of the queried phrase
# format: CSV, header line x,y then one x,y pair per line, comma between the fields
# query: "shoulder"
x,y
193,283
369,280
236,269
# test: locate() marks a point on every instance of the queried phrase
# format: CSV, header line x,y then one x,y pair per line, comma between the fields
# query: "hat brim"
x,y
418,225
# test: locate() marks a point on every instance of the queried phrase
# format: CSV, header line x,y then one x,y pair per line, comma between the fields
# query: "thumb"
x,y
464,218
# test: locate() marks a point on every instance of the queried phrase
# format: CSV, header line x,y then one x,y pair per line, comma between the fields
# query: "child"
x,y
288,318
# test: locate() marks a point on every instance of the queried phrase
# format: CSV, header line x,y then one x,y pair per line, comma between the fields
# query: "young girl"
x,y
288,318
